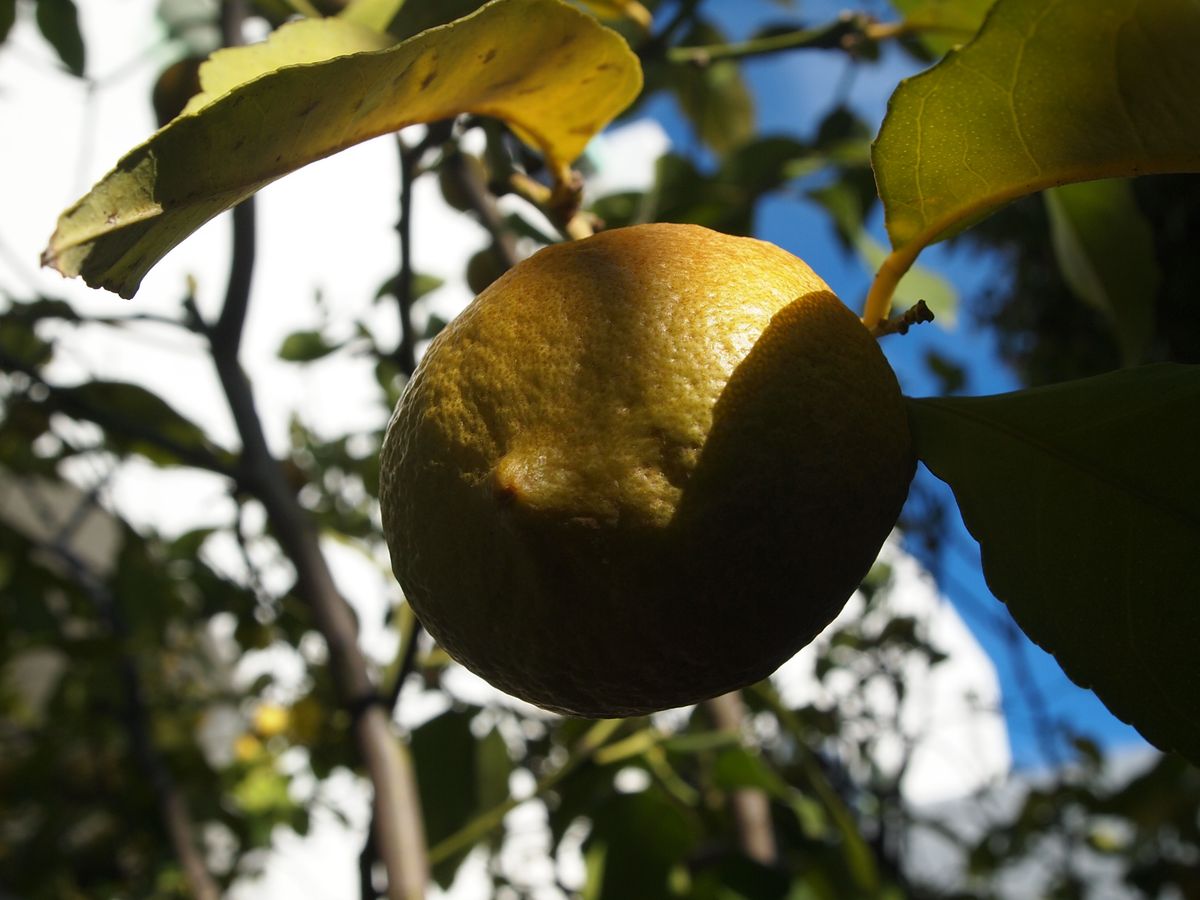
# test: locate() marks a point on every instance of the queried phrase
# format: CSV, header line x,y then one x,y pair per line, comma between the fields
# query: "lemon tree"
x,y
644,467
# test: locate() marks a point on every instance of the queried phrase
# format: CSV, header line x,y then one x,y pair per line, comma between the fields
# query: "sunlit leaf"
x,y
943,24
554,73
1048,93
1105,251
1085,499
58,21
296,43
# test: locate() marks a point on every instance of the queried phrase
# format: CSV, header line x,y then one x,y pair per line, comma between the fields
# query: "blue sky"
x,y
792,92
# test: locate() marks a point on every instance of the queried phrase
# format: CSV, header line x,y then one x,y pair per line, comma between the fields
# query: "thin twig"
x,y
845,32
406,349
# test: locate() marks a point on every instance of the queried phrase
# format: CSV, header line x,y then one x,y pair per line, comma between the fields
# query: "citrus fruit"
x,y
642,469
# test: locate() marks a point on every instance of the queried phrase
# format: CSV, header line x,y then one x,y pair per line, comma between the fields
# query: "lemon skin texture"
x,y
642,469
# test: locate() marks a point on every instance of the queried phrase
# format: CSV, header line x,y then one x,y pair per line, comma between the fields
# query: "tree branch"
x,y
406,349
483,203
399,830
846,32
172,805
750,807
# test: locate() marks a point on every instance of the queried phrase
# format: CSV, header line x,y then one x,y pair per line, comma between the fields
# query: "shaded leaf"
x,y
443,753
713,97
414,18
1105,251
1085,499
143,412
306,346
551,71
8,15
1048,93
635,840
58,21
376,15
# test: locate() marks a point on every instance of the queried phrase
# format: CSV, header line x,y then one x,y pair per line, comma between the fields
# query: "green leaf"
x,y
58,21
554,73
443,752
635,840
1085,499
1105,251
736,767
138,412
8,15
1048,93
713,97
943,24
306,346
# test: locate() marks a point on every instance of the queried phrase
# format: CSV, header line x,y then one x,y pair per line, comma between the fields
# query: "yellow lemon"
x,y
642,469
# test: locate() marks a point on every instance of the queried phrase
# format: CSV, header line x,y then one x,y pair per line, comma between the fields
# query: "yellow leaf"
x,y
551,71
295,43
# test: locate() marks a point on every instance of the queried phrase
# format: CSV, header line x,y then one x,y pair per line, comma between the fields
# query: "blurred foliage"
x,y
155,635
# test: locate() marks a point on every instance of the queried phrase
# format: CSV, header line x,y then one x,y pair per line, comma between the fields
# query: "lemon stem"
x,y
560,204
917,314
879,298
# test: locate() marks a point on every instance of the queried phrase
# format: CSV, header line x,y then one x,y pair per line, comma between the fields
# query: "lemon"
x,y
642,469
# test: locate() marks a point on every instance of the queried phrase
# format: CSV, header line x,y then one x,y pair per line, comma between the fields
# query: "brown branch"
x,y
399,829
406,349
750,807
